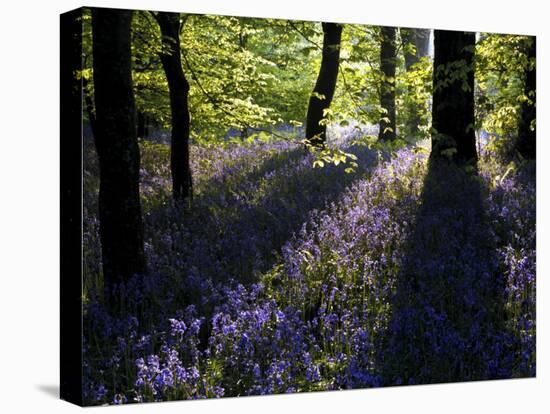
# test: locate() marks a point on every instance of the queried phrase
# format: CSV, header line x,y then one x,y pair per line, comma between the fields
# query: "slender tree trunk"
x,y
243,40
146,125
141,125
527,137
169,24
453,97
387,88
326,84
121,227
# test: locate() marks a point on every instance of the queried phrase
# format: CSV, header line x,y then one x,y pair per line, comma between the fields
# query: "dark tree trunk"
x,y
141,125
453,97
121,227
419,38
169,24
325,85
527,137
387,86
146,125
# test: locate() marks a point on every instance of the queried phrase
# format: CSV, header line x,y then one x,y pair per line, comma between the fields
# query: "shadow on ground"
x,y
236,231
448,308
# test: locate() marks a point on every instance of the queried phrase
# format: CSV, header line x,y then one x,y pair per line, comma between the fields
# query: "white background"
x,y
29,206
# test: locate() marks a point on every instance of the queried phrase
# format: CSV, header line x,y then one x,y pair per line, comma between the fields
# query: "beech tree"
x,y
121,227
387,85
323,92
453,134
170,26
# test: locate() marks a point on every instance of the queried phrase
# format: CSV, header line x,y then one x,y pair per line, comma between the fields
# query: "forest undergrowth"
x,y
279,277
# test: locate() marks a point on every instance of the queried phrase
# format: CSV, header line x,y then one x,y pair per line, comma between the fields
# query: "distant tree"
x,y
170,26
415,44
419,39
453,134
323,92
388,58
142,131
121,227
526,143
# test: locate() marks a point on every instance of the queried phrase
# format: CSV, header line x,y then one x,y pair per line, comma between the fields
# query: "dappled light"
x,y
276,206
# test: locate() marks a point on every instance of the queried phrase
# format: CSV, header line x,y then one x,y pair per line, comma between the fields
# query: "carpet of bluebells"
x,y
280,277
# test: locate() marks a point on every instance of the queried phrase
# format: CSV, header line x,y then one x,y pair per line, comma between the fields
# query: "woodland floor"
x,y
281,277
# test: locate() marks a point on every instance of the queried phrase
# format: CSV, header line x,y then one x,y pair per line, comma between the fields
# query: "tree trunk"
x,y
325,86
527,137
453,97
169,24
146,124
387,86
121,227
141,125
419,38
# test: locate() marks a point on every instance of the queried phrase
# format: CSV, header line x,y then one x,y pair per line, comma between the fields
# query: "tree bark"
x,y
387,87
141,125
453,97
527,137
169,23
121,227
325,86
